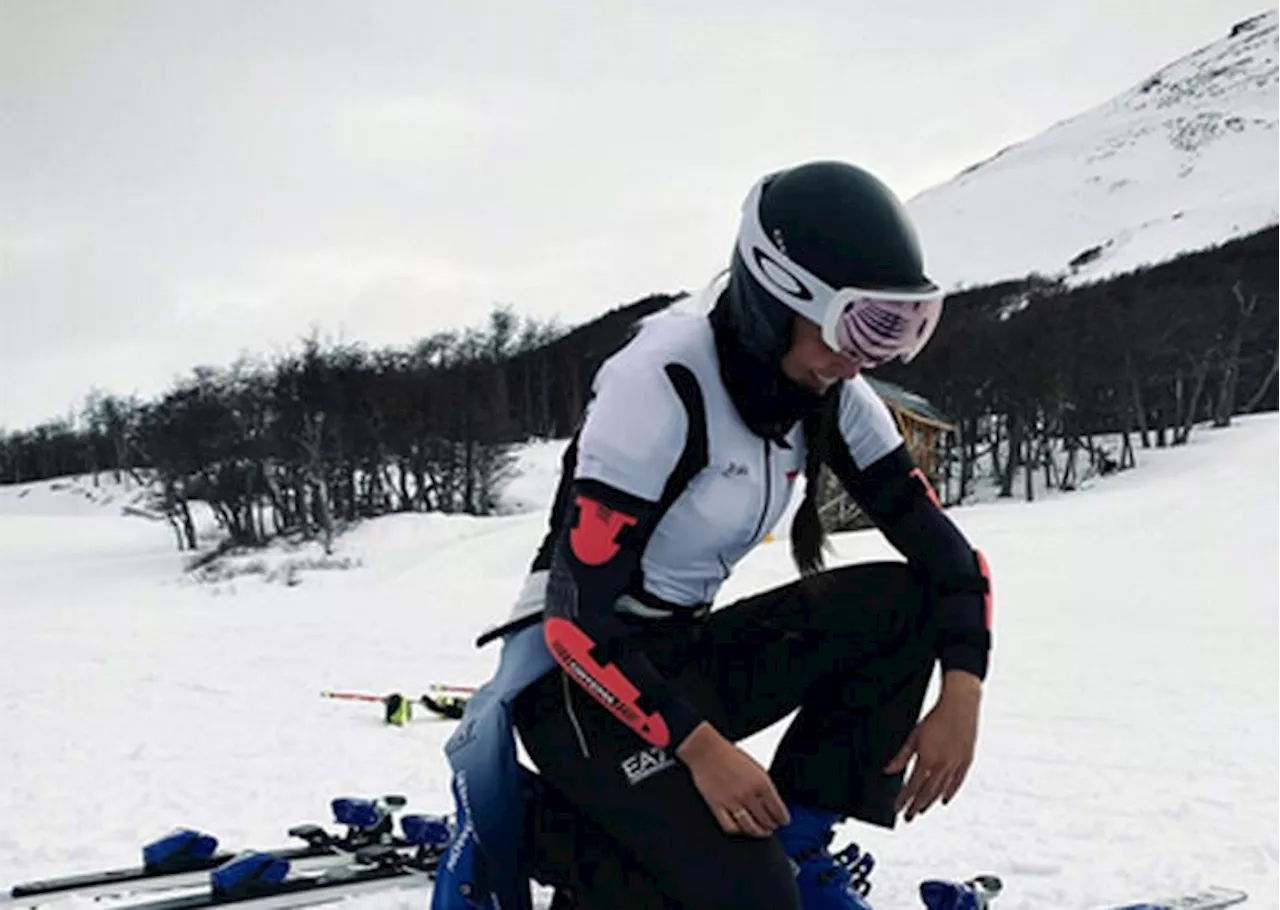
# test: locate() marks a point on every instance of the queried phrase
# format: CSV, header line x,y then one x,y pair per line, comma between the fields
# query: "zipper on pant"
x,y
573,717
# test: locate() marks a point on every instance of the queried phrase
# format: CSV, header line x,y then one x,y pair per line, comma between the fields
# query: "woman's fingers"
x,y
727,823
768,810
737,790
742,821
928,785
899,761
928,793
768,806
956,782
911,789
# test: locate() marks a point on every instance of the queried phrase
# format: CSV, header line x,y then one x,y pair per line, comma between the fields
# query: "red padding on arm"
x,y
928,487
985,571
571,647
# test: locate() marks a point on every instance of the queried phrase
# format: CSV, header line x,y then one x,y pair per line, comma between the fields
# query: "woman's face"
x,y
810,363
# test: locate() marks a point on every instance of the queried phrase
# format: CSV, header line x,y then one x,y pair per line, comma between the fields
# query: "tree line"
x,y
331,434
1027,367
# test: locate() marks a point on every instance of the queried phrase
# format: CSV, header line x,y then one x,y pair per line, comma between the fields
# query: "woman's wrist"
x,y
961,685
703,740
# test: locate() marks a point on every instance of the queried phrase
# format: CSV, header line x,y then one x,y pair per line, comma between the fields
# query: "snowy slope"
x,y
1184,161
1129,732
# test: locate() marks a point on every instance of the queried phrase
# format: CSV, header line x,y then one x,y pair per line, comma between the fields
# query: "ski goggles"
x,y
871,325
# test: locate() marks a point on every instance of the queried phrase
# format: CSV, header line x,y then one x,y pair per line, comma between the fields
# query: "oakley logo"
x,y
779,276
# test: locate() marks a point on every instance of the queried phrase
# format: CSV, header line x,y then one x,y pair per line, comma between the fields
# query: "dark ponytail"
x,y
808,537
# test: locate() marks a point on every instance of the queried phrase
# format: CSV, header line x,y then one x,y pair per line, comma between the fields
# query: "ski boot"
x,y
826,880
975,894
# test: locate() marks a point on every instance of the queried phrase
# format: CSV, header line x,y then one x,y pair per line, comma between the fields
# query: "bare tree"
x,y
1256,398
1187,410
1246,304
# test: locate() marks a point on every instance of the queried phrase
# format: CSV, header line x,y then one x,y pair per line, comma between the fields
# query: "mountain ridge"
x,y
1184,160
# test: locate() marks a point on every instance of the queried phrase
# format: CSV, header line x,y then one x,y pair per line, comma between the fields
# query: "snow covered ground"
x,y
1129,743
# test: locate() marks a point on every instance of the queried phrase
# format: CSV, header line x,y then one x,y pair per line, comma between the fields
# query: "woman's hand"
x,y
942,745
738,791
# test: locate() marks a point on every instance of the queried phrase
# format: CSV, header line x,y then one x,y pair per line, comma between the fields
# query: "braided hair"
x,y
808,537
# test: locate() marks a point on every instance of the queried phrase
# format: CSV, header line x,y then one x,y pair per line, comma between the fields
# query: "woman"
x,y
686,458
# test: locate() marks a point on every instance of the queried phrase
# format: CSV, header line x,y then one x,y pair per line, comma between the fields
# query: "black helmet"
x,y
809,232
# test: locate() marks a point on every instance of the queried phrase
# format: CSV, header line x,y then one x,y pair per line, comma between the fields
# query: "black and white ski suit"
x,y
663,491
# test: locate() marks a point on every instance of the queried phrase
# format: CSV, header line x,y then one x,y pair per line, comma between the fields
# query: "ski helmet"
x,y
831,242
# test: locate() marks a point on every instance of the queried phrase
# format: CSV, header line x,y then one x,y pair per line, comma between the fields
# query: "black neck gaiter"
x,y
769,403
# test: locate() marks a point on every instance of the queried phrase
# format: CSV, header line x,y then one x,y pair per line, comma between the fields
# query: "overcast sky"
x,y
185,180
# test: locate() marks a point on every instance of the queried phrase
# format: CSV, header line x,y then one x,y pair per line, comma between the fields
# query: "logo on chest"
x,y
735,469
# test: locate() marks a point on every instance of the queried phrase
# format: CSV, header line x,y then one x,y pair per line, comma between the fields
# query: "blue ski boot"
x,y
827,881
976,894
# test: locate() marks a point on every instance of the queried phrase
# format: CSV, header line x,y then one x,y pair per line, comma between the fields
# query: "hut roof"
x,y
917,405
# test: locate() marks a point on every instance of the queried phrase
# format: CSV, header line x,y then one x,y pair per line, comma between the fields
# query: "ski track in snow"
x,y
1129,736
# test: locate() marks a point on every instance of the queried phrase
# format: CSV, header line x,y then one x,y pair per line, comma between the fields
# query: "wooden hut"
x,y
922,425
924,429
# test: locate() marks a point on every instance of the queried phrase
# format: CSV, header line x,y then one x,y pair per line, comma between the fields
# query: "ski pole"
x,y
354,696
365,696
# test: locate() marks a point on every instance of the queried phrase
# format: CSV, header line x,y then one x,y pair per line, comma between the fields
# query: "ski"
x,y
1214,898
137,880
266,882
370,856
185,858
979,893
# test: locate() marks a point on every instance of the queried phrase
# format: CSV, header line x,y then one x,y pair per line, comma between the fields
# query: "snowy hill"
x,y
1184,161
1129,731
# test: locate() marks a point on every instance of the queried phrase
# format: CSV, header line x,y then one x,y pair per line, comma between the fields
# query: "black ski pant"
x,y
852,648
